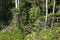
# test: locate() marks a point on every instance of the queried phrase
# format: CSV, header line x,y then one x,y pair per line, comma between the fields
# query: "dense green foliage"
x,y
47,34
11,35
27,21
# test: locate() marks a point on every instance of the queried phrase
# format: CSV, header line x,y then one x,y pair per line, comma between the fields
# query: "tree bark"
x,y
16,4
46,14
52,24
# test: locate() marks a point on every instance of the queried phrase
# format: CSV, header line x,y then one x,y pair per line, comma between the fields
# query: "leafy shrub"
x,y
32,36
57,32
11,35
46,34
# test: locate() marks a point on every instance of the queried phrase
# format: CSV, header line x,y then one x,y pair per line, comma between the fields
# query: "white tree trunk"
x,y
16,4
46,14
53,13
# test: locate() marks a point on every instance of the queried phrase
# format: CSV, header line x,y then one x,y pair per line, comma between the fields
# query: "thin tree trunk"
x,y
46,14
16,4
53,13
